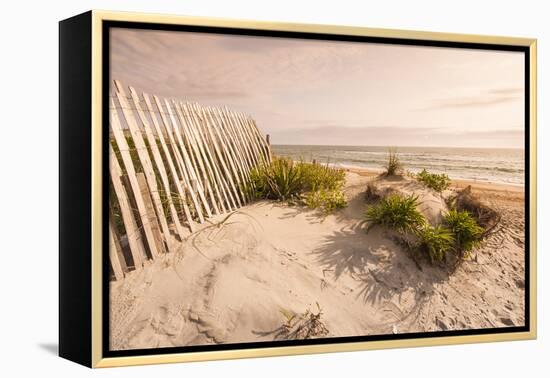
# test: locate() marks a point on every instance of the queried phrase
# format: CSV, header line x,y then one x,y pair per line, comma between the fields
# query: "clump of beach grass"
x,y
279,180
436,242
314,185
467,233
437,182
326,200
485,216
393,166
317,176
397,213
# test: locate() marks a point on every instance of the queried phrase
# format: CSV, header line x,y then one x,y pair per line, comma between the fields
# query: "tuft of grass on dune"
x,y
279,180
466,231
314,185
437,182
393,166
325,199
397,213
436,242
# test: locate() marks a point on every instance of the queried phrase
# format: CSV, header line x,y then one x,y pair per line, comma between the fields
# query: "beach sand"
x,y
232,283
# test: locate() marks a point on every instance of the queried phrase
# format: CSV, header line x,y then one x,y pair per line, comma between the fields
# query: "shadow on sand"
x,y
382,268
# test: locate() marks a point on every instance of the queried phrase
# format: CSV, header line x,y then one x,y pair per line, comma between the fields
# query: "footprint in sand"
x,y
167,321
507,321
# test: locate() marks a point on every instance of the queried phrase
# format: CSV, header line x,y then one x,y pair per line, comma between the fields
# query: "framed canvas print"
x,y
237,189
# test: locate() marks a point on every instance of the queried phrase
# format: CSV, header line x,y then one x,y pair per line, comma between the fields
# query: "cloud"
x,y
485,98
506,91
465,102
197,64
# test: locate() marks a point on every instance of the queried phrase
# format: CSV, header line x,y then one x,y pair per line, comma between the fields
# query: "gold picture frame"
x,y
87,32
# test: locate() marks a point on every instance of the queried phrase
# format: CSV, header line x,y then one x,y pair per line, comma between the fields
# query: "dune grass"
x,y
436,242
393,165
467,232
279,180
326,200
437,182
314,185
397,213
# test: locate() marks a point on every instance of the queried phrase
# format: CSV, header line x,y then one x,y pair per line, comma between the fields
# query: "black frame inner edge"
x,y
106,25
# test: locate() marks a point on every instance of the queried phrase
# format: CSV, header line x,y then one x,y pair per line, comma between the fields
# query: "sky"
x,y
335,93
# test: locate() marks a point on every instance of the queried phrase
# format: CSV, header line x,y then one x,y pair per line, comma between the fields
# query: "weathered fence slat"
x,y
194,183
151,218
242,164
115,254
200,122
199,164
205,155
158,162
120,139
182,193
228,141
145,160
220,158
244,140
132,232
172,170
230,173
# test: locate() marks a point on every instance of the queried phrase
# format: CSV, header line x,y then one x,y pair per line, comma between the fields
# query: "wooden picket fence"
x,y
172,166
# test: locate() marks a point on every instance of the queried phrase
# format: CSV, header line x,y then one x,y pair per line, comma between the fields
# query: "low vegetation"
x,y
436,242
326,200
437,182
314,185
394,165
305,326
458,234
485,216
397,213
467,232
279,180
372,194
461,230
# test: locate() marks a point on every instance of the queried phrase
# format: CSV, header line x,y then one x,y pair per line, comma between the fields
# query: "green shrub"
x,y
437,182
315,185
436,242
318,176
280,180
325,199
397,213
466,231
393,166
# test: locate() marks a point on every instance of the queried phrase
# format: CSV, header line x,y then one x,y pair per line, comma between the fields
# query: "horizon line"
x,y
396,146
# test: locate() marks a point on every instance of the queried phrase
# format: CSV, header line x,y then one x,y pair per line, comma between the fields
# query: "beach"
x,y
241,277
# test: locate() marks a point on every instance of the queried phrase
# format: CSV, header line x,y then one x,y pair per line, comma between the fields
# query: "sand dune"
x,y
233,283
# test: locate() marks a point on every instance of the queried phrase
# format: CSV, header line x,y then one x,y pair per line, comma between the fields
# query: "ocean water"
x,y
500,165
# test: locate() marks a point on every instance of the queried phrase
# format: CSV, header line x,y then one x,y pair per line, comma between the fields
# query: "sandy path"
x,y
229,284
